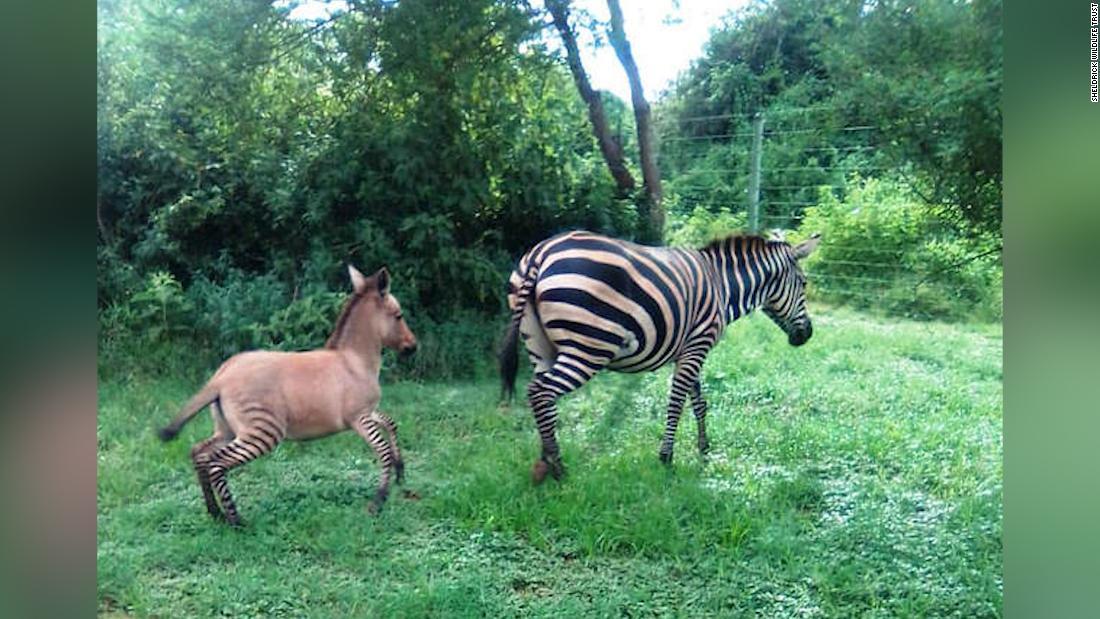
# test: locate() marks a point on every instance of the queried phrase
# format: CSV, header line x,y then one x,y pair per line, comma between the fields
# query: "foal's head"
x,y
785,303
373,314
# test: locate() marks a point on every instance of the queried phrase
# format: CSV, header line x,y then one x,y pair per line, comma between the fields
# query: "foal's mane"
x,y
342,321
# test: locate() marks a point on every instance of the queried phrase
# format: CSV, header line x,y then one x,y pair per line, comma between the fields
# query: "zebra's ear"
x,y
805,248
358,280
382,280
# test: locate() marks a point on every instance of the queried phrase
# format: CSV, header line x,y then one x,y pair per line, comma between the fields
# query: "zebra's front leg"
x,y
683,381
699,407
567,374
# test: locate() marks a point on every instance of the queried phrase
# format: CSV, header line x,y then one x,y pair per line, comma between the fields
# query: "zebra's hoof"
x,y
543,466
704,447
666,457
399,471
538,471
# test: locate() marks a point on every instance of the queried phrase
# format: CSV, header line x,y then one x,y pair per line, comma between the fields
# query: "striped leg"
x,y
567,374
372,432
242,449
683,381
391,429
200,457
699,407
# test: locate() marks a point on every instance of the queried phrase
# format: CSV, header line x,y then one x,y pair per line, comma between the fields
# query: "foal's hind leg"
x,y
371,430
244,448
391,429
200,457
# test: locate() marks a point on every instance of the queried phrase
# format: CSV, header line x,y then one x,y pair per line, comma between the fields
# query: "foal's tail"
x,y
509,362
206,395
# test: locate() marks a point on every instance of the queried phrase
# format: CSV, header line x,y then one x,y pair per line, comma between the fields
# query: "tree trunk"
x,y
654,215
612,153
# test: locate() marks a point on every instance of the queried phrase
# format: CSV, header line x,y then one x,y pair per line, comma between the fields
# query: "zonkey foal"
x,y
260,398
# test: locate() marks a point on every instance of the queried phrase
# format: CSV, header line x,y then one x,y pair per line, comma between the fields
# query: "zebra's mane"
x,y
719,243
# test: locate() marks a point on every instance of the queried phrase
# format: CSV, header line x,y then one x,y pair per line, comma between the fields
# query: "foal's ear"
x,y
805,248
358,280
382,280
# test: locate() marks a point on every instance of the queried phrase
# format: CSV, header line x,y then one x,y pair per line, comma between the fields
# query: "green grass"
x,y
857,476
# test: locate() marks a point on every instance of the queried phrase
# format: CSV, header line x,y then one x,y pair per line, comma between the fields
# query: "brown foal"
x,y
259,398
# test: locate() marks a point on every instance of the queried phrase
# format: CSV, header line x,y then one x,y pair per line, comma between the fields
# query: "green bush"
x,y
701,225
884,249
161,329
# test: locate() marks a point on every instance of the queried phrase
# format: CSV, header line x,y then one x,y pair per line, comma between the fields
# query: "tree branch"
x,y
651,176
612,154
956,265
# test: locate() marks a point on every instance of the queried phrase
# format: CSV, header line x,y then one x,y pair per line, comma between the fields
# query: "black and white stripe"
x,y
583,302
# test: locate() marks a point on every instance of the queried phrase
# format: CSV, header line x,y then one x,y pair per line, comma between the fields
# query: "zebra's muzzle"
x,y
800,335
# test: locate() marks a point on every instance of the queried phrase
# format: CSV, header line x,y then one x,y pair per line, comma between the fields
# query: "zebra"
x,y
584,302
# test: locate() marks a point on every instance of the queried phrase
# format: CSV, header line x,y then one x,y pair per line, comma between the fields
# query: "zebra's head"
x,y
785,302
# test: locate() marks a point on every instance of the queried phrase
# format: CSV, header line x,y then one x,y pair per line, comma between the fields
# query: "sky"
x,y
665,36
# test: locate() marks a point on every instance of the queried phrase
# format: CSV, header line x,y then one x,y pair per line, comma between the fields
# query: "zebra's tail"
x,y
509,358
208,394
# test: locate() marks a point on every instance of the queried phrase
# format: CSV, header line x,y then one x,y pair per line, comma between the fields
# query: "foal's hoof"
x,y
375,505
666,457
399,471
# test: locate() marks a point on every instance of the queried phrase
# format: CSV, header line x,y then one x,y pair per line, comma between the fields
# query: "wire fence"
x,y
708,162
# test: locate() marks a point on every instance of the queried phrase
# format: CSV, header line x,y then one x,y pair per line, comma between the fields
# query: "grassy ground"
x,y
859,475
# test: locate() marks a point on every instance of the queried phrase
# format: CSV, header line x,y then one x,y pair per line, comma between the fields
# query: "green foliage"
x,y
701,226
244,157
883,248
249,156
924,74
154,313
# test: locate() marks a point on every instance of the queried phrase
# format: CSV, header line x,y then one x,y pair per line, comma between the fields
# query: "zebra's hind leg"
x,y
699,407
568,373
683,381
200,457
372,431
240,450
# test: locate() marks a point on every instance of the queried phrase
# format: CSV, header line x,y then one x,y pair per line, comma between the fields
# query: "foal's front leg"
x,y
391,429
371,431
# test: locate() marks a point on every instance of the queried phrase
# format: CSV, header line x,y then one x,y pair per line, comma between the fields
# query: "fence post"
x,y
754,172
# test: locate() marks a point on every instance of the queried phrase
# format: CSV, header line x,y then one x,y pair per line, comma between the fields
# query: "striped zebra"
x,y
583,302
